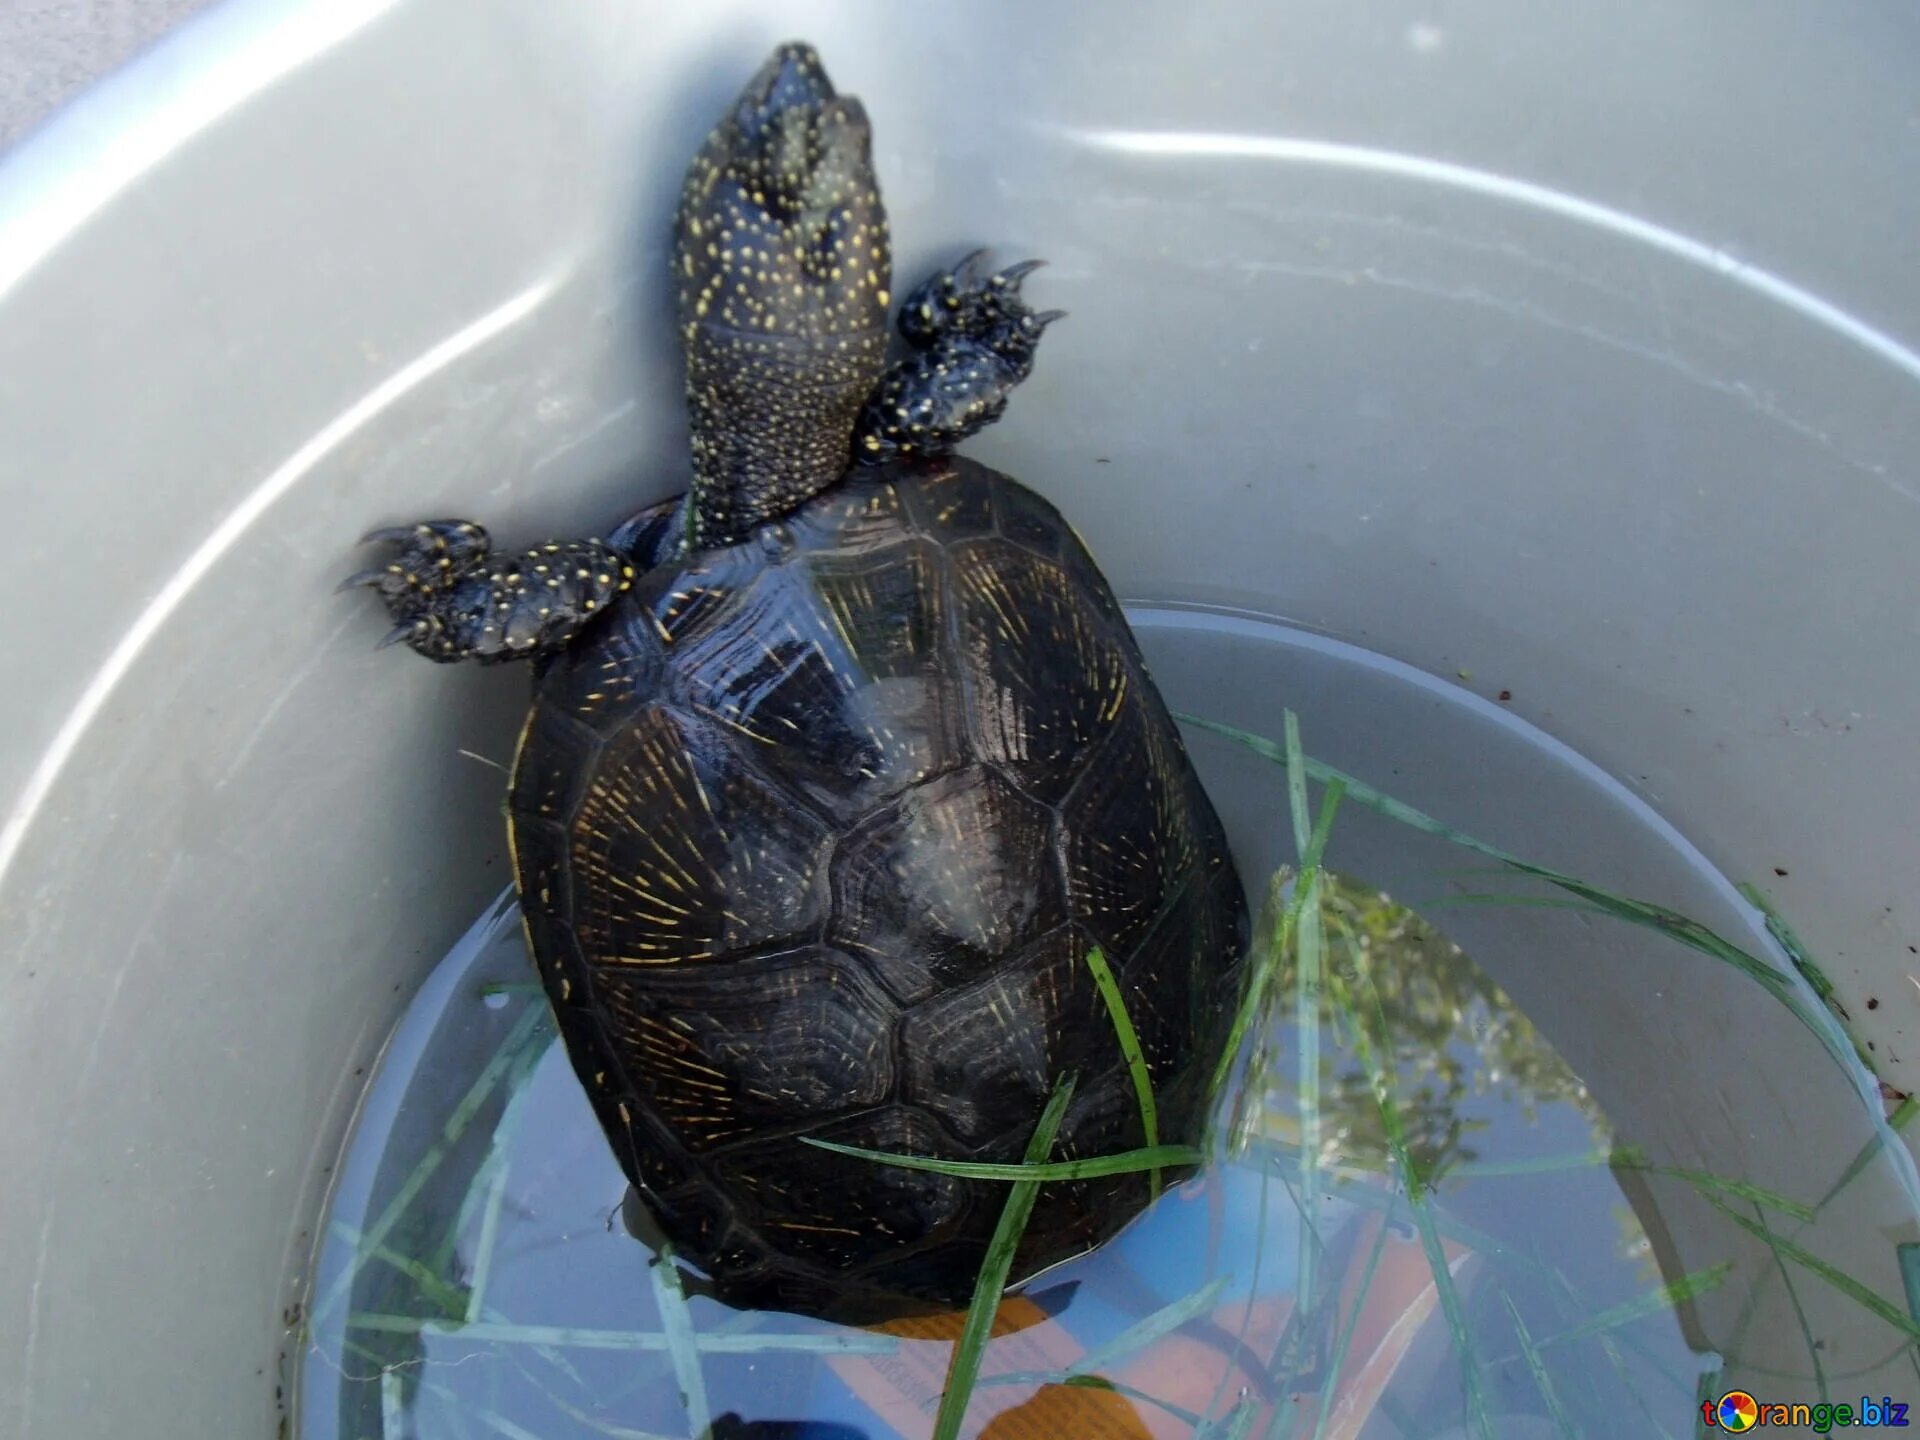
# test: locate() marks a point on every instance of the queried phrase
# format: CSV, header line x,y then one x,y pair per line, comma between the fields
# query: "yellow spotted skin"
x,y
813,838
782,265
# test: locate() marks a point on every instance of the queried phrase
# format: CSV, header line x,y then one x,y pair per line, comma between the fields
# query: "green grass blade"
x,y
1908,1254
965,1364
1144,1332
682,1343
1239,1424
393,1406
480,1185
1707,1180
1253,1295
599,1426
1788,941
1666,1297
1129,1039
1902,1116
443,1294
1309,952
1542,1381
1799,1311
1368,1026
1571,1305
1430,1244
1670,923
1254,999
577,1338
489,1238
1861,1294
524,1032
1127,1162
1533,1165
1705,1393
1337,1362
1268,938
1294,759
503,1427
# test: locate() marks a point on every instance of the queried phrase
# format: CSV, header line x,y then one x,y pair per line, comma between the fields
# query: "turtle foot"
x,y
974,339
452,599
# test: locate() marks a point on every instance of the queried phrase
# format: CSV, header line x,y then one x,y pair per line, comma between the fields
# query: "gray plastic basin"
x,y
1565,349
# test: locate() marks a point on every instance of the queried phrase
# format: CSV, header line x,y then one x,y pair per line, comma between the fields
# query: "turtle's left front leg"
x,y
452,599
974,340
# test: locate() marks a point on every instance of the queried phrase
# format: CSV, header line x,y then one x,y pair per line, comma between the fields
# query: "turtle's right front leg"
x,y
452,599
973,341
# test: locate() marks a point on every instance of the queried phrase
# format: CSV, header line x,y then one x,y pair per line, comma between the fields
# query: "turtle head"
x,y
783,265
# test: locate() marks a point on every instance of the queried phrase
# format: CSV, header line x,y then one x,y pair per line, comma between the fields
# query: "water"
x,y
476,1278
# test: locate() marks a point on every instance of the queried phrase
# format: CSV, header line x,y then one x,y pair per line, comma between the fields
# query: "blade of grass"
x,y
393,1406
1125,1345
1706,1180
1785,938
1666,1297
1130,1051
1253,1296
1861,1294
576,1338
1902,1116
597,1425
1252,1002
1330,1382
682,1343
1127,1162
501,1425
1413,1183
1908,1254
965,1362
1369,1196
1532,1165
1144,1332
481,1184
1538,1368
1309,951
436,1290
1670,923
1264,953
1799,1311
1706,1393
489,1237
1571,1305
524,1032
1239,1423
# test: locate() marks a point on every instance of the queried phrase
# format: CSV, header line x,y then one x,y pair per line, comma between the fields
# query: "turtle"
x,y
843,771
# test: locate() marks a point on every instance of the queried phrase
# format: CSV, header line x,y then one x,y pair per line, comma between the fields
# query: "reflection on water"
x,y
478,1280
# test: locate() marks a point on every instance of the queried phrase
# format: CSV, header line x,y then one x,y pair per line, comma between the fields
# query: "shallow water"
x,y
476,1278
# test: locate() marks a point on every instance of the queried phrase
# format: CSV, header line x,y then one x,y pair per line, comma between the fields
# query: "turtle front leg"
x,y
974,340
452,599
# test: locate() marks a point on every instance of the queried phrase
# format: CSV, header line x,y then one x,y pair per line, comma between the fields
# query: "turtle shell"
x,y
814,834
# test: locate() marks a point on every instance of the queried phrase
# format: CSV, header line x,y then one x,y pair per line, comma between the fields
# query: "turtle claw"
x,y
451,598
1010,278
974,341
360,578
